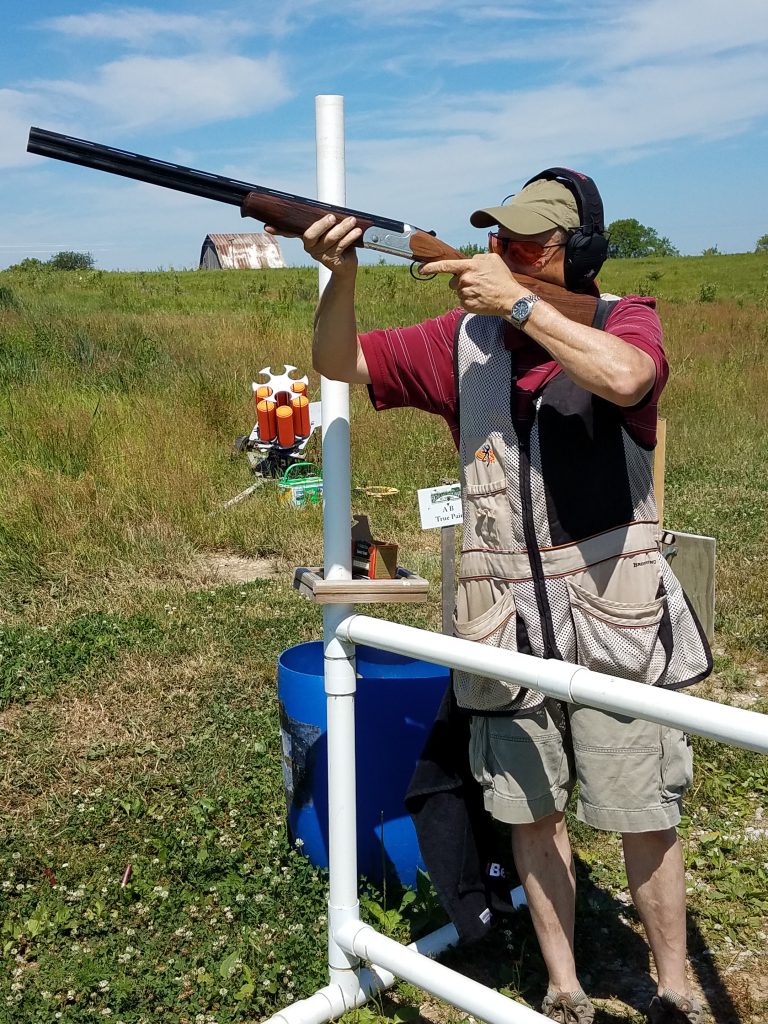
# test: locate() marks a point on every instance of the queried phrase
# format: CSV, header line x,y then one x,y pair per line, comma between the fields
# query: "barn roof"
x,y
246,251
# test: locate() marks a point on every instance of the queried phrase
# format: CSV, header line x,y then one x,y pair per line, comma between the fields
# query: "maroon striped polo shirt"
x,y
413,366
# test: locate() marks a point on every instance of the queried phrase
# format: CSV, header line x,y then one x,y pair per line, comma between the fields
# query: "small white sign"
x,y
440,506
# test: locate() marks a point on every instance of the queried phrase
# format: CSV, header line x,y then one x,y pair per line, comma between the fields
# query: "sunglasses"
x,y
519,252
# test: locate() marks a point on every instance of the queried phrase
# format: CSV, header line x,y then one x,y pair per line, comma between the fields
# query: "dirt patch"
x,y
10,719
143,707
137,718
220,568
749,689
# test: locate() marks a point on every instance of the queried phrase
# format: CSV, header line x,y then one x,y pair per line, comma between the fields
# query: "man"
x,y
555,423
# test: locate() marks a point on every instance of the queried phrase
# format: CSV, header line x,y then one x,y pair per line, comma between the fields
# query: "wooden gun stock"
x,y
293,215
574,305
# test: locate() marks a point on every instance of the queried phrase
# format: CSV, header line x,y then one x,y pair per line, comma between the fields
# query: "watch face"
x,y
521,309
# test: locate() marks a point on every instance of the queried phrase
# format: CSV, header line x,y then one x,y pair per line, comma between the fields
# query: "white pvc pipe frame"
x,y
349,939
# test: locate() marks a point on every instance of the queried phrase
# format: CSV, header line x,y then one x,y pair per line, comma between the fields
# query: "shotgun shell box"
x,y
371,558
375,559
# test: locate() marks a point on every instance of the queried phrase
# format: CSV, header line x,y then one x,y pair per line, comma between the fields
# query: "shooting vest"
x,y
560,548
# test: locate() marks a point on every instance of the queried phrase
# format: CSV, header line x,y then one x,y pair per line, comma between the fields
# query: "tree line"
x,y
66,260
627,239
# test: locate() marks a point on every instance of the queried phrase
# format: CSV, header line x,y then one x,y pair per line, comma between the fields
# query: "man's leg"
x,y
525,770
544,862
654,862
633,775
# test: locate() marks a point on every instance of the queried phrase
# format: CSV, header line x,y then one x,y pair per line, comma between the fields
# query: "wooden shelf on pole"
x,y
405,587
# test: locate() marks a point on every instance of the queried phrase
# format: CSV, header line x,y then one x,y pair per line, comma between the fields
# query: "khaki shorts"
x,y
632,774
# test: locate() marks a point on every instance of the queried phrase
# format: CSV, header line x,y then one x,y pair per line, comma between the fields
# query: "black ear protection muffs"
x,y
587,246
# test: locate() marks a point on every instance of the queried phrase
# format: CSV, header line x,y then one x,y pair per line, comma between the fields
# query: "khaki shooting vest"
x,y
560,548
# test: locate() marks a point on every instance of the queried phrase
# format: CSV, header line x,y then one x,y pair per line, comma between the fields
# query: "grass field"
x,y
138,713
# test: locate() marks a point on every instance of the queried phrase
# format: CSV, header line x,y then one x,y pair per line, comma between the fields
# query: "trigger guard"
x,y
420,277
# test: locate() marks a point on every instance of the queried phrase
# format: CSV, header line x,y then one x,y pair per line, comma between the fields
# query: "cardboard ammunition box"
x,y
371,558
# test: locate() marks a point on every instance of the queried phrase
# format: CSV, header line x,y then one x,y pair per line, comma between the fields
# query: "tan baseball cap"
x,y
540,206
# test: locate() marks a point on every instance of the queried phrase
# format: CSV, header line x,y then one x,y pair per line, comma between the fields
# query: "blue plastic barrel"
x,y
396,703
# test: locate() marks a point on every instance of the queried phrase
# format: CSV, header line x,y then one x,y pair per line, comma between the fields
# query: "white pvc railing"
x,y
571,683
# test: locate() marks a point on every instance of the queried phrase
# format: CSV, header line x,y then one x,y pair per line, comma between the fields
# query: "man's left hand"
x,y
484,284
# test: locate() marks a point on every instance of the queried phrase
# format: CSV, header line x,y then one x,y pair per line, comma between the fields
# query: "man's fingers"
x,y
329,226
444,267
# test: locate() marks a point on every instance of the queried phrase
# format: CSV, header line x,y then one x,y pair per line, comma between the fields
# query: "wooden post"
x,y
659,460
448,584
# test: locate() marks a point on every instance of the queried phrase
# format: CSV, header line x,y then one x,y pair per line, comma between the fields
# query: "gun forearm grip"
x,y
290,216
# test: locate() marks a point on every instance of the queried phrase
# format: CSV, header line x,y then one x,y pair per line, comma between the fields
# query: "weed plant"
x,y
138,714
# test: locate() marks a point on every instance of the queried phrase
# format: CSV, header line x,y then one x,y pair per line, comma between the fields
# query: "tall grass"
x,y
122,395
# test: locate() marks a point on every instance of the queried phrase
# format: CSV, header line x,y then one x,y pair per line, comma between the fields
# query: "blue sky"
x,y
449,106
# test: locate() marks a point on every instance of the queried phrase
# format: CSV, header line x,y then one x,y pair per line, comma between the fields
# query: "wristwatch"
x,y
522,310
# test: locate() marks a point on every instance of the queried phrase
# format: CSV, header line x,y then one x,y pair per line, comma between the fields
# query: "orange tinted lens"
x,y
517,251
524,252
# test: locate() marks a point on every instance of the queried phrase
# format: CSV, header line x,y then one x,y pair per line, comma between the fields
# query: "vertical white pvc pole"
x,y
340,676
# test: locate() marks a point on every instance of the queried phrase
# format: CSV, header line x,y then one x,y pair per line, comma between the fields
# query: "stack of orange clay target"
x,y
283,416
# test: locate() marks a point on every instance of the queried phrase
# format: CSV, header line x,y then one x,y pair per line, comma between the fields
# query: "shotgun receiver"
x,y
281,210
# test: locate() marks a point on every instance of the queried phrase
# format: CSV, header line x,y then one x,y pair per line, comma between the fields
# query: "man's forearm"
x,y
335,350
595,360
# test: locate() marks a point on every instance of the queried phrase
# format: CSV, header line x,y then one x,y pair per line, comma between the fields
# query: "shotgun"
x,y
281,210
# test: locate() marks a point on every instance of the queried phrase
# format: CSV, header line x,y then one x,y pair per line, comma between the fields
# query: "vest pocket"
x,y
495,627
487,516
618,639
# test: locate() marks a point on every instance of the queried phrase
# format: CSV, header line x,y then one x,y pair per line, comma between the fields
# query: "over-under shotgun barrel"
x,y
280,209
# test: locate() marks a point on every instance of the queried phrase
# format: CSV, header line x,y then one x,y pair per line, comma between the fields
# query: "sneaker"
x,y
672,1008
568,1007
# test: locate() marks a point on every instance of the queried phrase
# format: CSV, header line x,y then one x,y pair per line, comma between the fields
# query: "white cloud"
x,y
635,108
140,27
611,84
16,113
657,29
472,150
176,92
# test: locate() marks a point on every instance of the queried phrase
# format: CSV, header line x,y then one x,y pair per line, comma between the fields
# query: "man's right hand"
x,y
331,242
336,352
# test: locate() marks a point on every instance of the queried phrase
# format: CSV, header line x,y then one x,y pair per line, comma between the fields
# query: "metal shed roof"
x,y
245,251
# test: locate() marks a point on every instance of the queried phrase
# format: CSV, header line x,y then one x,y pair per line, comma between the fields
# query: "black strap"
x,y
603,310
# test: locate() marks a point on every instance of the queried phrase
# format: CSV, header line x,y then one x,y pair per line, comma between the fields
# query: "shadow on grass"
x,y
613,959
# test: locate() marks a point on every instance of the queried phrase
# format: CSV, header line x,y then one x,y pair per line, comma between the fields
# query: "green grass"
x,y
138,718
741,278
